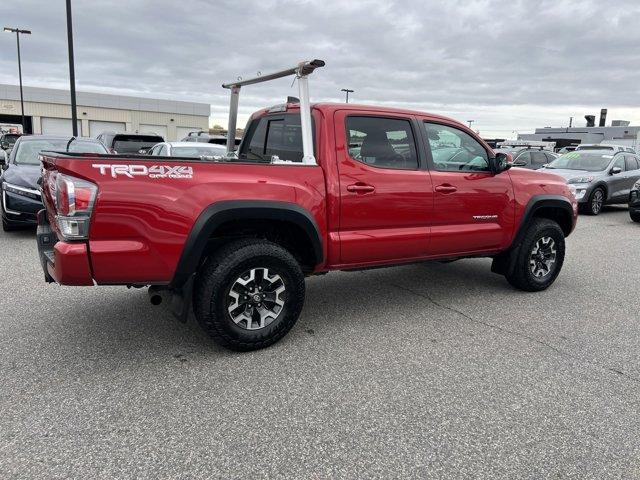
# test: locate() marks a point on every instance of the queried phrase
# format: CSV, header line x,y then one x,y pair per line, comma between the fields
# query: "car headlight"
x,y
636,186
22,191
581,180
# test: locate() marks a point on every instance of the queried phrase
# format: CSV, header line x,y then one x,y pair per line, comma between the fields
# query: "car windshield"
x,y
582,160
134,143
28,150
197,151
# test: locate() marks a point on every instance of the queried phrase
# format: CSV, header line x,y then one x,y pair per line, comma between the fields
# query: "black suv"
x,y
129,143
529,157
634,202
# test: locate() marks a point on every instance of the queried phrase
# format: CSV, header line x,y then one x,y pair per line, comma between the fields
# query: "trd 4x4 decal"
x,y
156,171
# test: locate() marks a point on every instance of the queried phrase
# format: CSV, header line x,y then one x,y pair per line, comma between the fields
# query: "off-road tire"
x,y
519,273
589,208
216,278
635,216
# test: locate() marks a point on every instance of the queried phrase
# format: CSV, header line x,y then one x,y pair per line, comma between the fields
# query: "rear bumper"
x,y
62,262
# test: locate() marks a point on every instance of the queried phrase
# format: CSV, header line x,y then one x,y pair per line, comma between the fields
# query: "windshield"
x,y
582,160
198,151
28,150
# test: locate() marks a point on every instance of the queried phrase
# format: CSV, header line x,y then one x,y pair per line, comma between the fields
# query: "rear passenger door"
x,y
473,208
386,197
522,159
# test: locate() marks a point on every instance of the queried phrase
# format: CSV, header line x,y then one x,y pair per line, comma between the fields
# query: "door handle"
x,y
446,188
360,188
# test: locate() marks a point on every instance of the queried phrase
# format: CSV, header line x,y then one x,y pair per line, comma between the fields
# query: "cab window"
x,y
271,136
382,142
453,150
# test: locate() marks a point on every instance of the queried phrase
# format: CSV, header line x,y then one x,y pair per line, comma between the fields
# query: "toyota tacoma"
x,y
311,188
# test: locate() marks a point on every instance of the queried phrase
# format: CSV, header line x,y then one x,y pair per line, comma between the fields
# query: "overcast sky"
x,y
509,65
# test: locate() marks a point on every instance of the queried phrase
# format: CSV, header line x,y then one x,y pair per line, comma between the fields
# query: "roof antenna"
x,y
69,142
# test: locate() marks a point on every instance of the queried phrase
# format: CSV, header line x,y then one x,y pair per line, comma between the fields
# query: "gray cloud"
x,y
509,65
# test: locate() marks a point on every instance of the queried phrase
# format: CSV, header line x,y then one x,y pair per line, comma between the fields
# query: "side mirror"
x,y
500,163
4,145
615,171
519,163
3,158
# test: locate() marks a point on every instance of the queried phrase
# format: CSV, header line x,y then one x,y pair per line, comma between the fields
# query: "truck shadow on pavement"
x,y
119,323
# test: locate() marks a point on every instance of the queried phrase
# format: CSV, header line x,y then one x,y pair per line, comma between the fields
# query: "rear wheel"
x,y
539,257
249,294
635,216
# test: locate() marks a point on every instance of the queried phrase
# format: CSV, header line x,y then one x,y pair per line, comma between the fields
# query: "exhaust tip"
x,y
155,299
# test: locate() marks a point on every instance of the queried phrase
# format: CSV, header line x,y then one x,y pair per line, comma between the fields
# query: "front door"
x,y
473,208
385,190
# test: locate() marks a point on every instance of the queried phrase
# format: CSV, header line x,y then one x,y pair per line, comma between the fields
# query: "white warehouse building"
x,y
48,111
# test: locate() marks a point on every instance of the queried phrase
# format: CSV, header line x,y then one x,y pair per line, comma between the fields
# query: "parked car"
x,y
236,239
600,146
598,177
203,137
634,202
20,192
129,143
187,150
532,158
8,140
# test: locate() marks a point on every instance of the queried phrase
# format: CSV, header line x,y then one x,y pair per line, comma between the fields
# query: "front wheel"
x,y
595,203
539,257
249,294
635,216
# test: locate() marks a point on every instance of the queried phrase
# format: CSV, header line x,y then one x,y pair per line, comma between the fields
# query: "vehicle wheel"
x,y
539,257
595,203
8,227
635,216
249,294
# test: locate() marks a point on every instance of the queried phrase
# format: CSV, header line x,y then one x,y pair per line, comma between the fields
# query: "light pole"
x,y
470,122
72,73
18,31
347,91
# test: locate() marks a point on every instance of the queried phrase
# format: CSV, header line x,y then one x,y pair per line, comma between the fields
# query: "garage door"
x,y
96,127
58,126
182,132
159,129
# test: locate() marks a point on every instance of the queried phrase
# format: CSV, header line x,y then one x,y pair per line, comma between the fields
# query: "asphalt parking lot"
x,y
437,370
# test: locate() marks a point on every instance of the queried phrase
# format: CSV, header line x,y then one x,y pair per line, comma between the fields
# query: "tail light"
x,y
74,200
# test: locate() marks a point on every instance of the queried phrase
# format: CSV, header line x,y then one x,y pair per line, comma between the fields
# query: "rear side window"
x,y
632,162
382,142
271,136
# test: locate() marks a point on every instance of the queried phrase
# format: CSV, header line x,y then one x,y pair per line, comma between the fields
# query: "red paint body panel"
x,y
71,264
139,225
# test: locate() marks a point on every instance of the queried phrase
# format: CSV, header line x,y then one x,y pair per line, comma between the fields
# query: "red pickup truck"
x,y
235,237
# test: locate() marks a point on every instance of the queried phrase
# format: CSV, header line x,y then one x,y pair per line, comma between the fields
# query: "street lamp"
x,y
18,31
470,122
72,74
347,91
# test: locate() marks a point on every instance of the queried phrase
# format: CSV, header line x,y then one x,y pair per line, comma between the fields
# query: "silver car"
x,y
597,177
187,149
